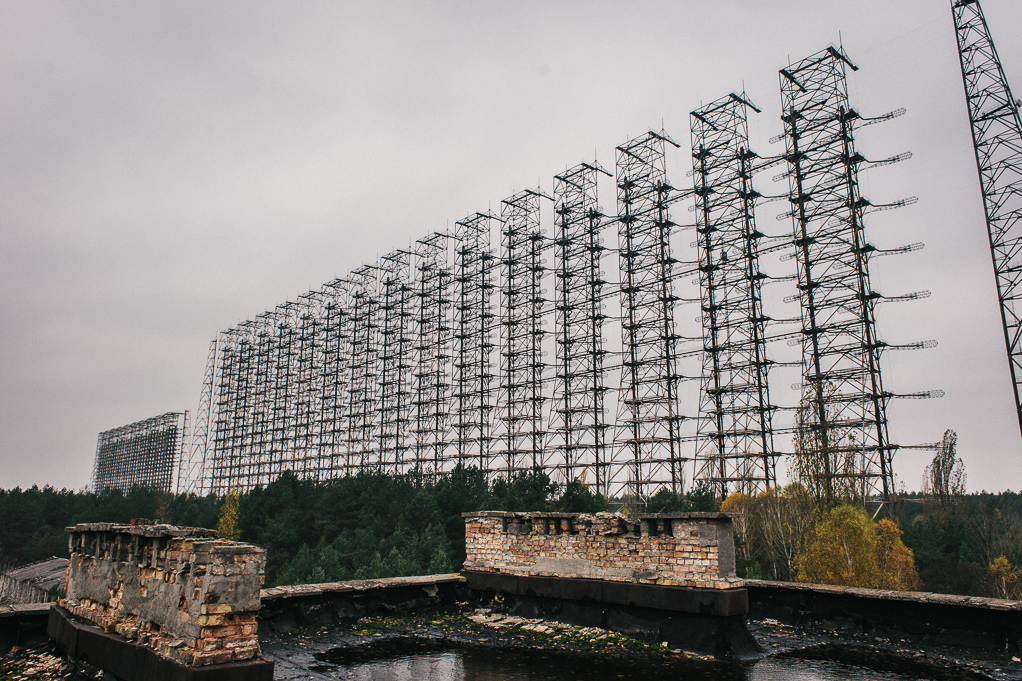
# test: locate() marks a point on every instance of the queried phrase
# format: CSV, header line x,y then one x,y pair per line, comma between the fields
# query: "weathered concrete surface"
x,y
676,549
286,608
939,619
129,661
179,591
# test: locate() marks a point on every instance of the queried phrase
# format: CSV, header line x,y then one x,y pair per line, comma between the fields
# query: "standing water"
x,y
477,664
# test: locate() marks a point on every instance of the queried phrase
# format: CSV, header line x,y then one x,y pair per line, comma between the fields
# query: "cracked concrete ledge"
x,y
904,596
356,586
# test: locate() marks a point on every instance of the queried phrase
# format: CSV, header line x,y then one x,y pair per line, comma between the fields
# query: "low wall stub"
x,y
178,591
667,549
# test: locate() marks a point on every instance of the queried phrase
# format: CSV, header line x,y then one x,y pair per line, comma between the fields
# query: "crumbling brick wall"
x,y
672,549
177,590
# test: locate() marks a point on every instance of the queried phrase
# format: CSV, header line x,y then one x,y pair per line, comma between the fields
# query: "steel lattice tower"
x,y
844,414
335,370
648,447
395,361
431,385
578,418
473,342
192,475
225,397
309,391
736,451
363,388
522,306
997,137
282,394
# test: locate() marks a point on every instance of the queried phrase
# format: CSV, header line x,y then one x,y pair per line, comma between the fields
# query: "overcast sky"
x,y
170,169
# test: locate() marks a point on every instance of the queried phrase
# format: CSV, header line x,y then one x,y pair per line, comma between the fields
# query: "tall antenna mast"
x,y
997,137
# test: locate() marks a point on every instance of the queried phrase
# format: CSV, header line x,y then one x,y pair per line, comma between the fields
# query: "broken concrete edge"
x,y
691,515
887,595
25,609
130,661
193,599
356,586
145,530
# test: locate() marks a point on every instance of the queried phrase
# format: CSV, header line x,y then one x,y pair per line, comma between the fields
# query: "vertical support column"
x,y
336,379
997,138
309,354
193,475
363,393
647,454
521,398
841,429
473,342
431,383
578,419
735,451
395,361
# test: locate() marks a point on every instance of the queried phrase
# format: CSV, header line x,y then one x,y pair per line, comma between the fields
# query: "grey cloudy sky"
x,y
170,169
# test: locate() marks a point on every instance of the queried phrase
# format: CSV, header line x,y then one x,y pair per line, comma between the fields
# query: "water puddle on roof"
x,y
489,665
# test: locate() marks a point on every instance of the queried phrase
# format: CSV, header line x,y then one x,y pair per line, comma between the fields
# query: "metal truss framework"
x,y
363,385
843,420
647,451
431,383
141,454
395,366
578,420
334,368
736,450
520,401
471,432
192,466
392,368
997,137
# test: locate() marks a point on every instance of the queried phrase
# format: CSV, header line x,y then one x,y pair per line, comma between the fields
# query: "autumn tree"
x,y
230,513
849,549
944,477
1005,579
781,526
896,566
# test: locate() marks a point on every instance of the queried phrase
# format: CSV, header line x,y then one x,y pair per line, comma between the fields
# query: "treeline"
x,y
969,544
369,525
373,525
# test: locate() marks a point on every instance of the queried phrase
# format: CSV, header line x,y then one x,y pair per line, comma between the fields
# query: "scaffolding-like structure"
x,y
841,424
446,354
432,350
191,470
647,453
395,361
521,433
735,451
141,454
471,431
578,419
997,137
334,368
363,388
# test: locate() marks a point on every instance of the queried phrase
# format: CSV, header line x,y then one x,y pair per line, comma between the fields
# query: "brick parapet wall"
x,y
179,591
670,549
